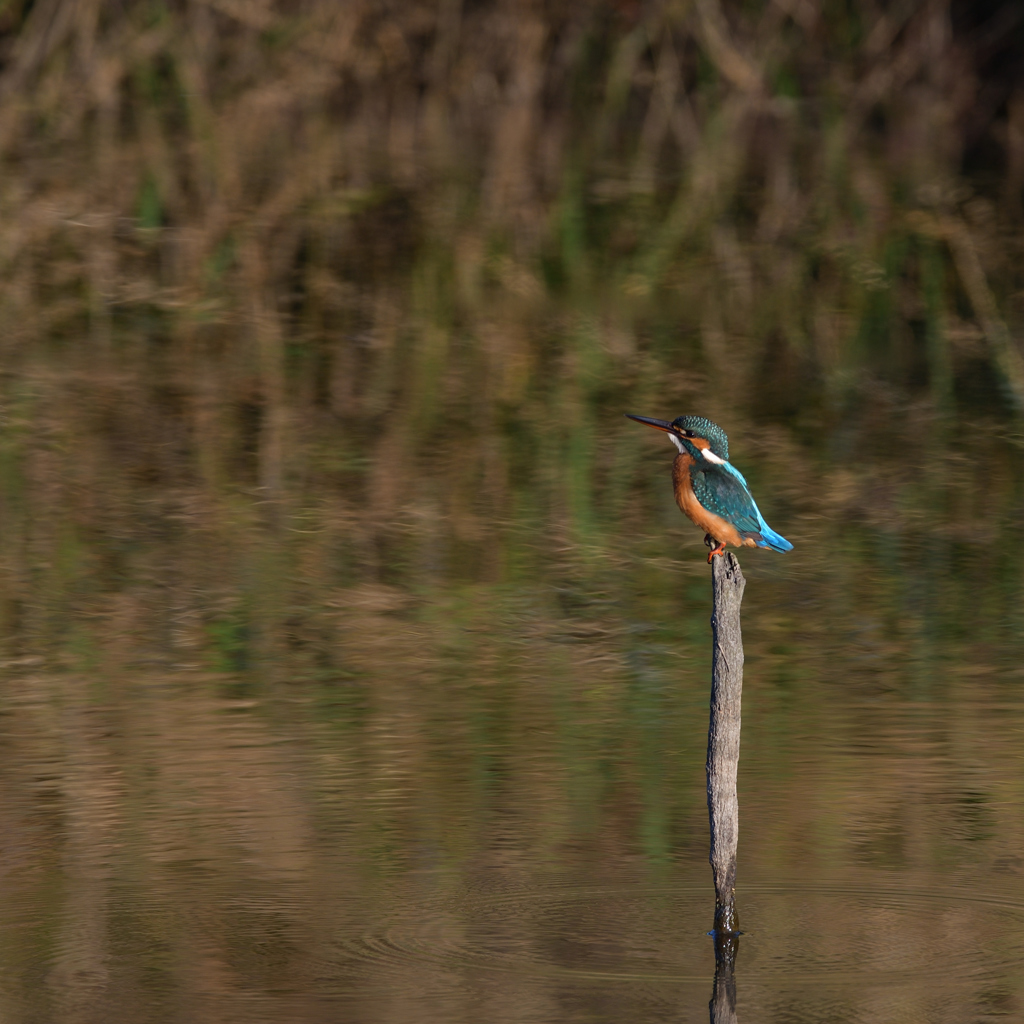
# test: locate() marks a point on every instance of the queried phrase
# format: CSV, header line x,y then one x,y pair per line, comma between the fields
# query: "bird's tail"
x,y
773,540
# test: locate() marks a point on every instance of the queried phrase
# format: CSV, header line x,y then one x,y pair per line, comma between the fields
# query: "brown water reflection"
x,y
353,655
499,815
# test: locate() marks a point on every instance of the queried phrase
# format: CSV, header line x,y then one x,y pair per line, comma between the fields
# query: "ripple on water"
x,y
794,935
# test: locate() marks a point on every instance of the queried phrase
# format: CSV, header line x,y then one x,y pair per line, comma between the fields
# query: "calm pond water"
x,y
354,658
490,805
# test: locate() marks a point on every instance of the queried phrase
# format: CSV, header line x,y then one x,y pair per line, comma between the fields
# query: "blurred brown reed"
x,y
340,273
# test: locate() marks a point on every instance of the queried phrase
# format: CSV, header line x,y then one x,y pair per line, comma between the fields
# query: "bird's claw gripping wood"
x,y
711,543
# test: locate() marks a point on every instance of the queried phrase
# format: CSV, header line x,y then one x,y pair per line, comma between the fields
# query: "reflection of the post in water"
x,y
723,994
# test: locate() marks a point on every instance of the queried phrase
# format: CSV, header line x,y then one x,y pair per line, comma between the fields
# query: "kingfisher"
x,y
710,490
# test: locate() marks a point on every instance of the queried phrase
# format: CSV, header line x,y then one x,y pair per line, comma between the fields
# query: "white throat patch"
x,y
712,457
675,440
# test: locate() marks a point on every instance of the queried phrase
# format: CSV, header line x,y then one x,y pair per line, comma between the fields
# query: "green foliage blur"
x,y
307,300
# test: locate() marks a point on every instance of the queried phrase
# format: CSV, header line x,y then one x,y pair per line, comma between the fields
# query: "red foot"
x,y
711,542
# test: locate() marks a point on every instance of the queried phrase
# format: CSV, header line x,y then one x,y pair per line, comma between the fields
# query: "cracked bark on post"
x,y
724,740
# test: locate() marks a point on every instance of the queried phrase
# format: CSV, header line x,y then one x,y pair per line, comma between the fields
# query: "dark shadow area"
x,y
722,1006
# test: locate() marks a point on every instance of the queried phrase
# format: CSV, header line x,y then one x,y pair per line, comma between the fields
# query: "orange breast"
x,y
721,530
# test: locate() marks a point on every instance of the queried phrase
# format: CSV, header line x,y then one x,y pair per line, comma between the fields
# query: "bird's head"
x,y
695,435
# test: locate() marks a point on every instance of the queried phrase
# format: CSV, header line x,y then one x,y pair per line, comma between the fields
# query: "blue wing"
x,y
722,490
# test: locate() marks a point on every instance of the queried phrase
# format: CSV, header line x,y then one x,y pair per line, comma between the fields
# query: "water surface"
x,y
496,810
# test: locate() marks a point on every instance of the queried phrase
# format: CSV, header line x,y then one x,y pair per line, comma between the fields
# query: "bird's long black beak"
x,y
660,424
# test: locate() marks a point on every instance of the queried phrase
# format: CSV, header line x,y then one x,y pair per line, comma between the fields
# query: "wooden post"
x,y
723,763
724,740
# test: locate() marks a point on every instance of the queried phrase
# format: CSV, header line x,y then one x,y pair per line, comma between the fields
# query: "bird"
x,y
710,490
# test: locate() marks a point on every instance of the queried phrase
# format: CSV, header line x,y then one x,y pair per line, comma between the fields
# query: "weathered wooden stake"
x,y
724,742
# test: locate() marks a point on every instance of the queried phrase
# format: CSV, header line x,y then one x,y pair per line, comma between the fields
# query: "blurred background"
x,y
355,656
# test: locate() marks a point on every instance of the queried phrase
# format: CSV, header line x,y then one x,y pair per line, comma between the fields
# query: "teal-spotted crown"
x,y
701,427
